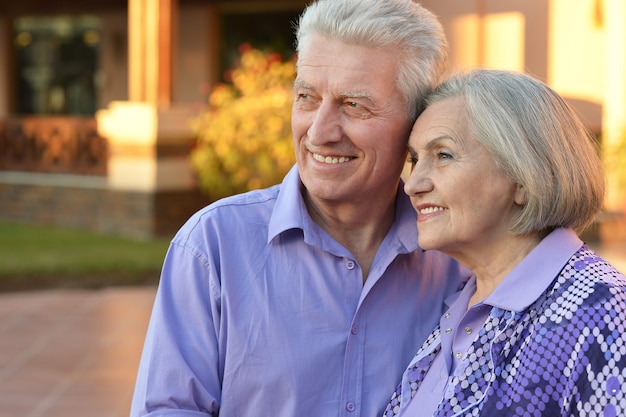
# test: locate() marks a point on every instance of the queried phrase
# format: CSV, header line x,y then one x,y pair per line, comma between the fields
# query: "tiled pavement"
x,y
70,353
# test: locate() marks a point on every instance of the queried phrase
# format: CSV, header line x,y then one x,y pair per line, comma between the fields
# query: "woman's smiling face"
x,y
465,203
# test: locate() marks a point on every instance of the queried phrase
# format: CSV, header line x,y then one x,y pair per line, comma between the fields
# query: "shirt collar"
x,y
290,213
287,212
534,274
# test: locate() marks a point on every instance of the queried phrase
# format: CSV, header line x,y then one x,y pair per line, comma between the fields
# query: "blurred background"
x,y
96,98
120,118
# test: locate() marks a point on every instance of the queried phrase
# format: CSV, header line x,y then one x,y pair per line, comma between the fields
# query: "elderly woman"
x,y
503,177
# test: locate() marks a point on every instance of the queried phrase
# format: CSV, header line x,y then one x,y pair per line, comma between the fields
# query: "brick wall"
x,y
127,213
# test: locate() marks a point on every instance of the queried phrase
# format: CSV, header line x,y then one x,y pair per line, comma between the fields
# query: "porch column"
x,y
614,115
152,33
149,135
6,93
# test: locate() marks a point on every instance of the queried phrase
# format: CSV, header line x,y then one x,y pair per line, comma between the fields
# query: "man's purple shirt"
x,y
260,312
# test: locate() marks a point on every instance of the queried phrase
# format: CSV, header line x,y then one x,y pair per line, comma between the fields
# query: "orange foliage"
x,y
244,137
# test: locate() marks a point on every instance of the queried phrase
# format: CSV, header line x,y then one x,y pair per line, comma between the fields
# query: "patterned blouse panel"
x,y
563,356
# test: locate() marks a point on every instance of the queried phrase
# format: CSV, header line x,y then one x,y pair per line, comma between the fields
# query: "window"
x,y
271,30
56,64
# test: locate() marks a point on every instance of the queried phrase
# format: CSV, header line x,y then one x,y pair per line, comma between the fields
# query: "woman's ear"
x,y
520,195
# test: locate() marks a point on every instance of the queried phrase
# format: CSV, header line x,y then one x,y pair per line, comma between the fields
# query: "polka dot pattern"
x,y
563,356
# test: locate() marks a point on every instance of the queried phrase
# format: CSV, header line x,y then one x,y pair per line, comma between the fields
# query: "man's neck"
x,y
360,227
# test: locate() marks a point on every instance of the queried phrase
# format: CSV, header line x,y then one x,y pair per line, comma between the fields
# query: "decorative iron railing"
x,y
69,145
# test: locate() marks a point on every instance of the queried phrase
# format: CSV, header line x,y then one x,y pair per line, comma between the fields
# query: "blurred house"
x,y
95,99
95,96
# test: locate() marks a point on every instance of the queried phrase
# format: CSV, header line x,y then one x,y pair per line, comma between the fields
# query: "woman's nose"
x,y
418,181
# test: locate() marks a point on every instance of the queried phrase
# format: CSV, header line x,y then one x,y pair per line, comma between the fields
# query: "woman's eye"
x,y
444,155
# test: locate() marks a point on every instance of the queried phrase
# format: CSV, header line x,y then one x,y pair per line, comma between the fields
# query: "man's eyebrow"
x,y
356,94
303,84
343,94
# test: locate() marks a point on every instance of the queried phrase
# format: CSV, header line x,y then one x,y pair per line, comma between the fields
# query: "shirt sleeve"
x,y
179,371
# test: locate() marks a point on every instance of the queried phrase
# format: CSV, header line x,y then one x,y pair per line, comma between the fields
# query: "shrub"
x,y
244,137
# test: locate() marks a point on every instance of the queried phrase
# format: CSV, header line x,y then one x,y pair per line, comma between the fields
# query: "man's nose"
x,y
326,125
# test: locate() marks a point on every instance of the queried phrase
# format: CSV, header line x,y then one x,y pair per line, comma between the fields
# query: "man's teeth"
x,y
330,159
429,210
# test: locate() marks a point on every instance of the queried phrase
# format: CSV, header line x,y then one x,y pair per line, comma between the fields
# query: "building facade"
x,y
95,98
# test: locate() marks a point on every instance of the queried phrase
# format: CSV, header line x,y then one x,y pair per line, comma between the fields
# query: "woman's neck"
x,y
492,264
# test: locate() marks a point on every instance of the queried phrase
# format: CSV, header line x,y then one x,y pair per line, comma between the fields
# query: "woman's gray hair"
x,y
538,141
403,26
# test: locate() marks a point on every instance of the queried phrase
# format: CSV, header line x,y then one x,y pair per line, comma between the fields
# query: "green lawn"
x,y
36,257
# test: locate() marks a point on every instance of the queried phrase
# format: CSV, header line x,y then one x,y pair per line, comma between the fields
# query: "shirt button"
x,y
448,330
446,316
468,330
459,355
355,329
350,406
350,265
